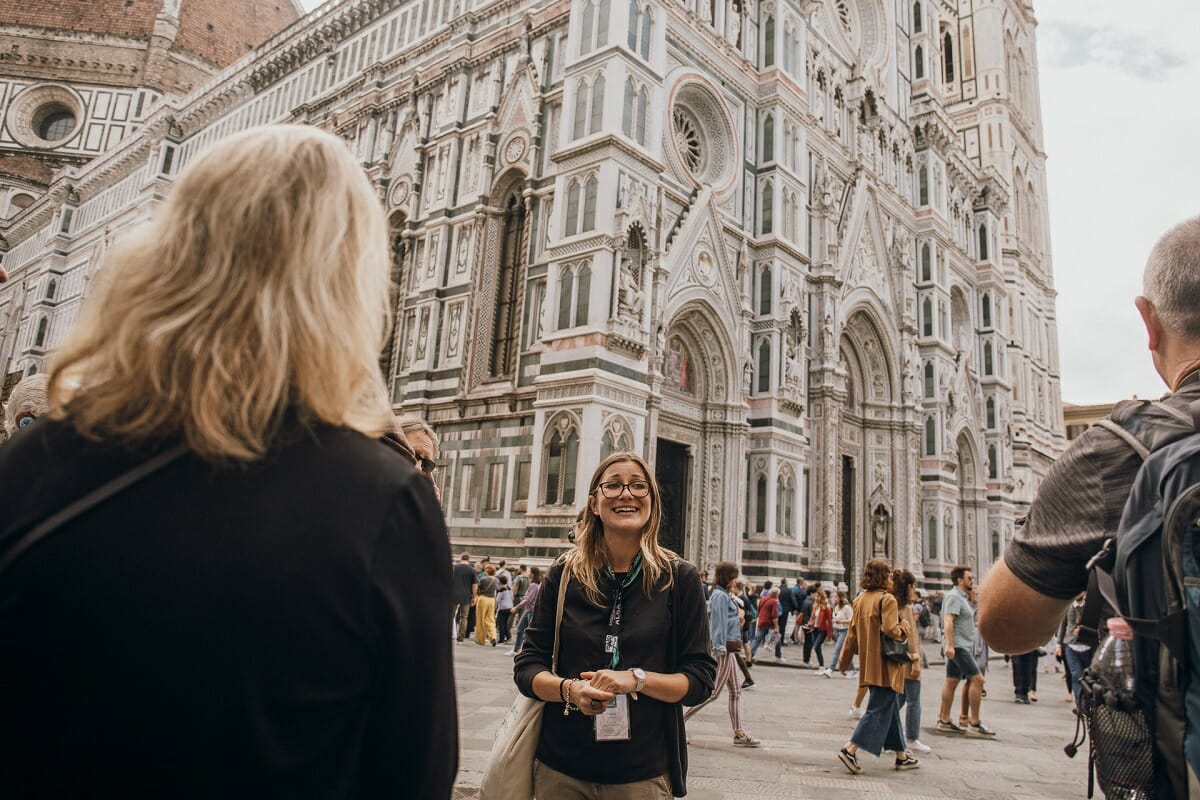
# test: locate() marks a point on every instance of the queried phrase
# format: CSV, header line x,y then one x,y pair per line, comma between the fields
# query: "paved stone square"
x,y
802,720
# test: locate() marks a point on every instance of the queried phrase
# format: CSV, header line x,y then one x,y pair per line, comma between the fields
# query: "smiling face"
x,y
623,514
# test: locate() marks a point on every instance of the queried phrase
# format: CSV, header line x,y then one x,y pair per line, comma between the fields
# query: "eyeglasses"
x,y
428,465
613,489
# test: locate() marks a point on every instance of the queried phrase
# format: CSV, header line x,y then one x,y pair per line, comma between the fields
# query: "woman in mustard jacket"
x,y
876,613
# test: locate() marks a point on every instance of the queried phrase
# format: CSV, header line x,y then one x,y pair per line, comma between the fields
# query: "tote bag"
x,y
509,772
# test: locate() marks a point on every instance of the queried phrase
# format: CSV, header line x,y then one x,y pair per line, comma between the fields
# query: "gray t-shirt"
x,y
1080,502
964,618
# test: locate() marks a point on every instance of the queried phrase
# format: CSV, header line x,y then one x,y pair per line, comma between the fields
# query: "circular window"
x,y
701,136
21,201
687,139
45,115
53,122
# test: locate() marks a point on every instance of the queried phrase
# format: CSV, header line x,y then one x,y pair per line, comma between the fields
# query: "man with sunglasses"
x,y
424,444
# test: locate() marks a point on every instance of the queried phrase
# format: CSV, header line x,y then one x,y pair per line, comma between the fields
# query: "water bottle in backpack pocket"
x,y
1121,752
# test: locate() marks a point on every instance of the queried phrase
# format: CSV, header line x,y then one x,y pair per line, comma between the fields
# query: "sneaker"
x,y
907,763
748,684
856,712
918,746
780,659
948,727
850,760
745,740
828,673
979,729
509,652
1022,699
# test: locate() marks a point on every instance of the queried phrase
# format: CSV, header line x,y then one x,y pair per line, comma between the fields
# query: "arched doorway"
x,y
692,440
969,515
867,469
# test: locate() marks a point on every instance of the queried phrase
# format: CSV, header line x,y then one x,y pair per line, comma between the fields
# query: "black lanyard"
x,y
617,589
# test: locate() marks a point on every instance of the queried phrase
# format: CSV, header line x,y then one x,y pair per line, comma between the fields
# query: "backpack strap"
x,y
1171,630
1125,436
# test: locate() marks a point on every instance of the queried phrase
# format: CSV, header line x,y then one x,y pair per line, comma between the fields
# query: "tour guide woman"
x,y
633,649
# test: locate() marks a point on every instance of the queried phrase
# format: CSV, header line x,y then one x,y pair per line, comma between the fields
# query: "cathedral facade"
x,y
794,252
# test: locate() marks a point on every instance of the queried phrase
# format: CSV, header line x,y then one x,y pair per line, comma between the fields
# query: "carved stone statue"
x,y
630,297
879,524
792,364
828,345
733,24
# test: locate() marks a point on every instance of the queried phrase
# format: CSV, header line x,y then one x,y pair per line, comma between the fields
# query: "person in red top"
x,y
821,624
768,619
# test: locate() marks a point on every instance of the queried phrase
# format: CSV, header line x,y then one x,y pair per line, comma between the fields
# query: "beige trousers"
x,y
550,784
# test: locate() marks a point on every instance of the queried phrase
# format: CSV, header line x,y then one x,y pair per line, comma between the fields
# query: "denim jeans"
x,y
839,638
758,639
879,728
818,638
522,624
912,718
1077,662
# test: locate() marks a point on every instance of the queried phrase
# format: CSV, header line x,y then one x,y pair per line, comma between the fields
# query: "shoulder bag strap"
x,y
87,502
558,612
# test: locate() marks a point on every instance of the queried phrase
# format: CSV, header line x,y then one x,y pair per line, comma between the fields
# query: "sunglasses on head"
x,y
428,465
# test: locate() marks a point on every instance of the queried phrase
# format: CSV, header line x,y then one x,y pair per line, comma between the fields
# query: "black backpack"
x,y
1149,574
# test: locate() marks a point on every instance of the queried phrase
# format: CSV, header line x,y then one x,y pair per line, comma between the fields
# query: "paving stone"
x,y
802,720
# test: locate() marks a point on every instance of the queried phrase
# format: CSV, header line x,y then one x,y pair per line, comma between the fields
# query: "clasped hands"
x,y
592,692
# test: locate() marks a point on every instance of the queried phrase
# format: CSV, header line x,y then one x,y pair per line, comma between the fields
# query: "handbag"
x,y
509,771
895,650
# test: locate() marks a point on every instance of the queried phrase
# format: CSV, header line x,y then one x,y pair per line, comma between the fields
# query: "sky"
x,y
1120,120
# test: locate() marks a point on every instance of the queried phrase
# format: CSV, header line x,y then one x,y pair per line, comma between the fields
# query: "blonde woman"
x,y
250,618
633,649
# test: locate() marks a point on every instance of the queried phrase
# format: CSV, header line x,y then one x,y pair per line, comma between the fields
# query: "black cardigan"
x,y
270,630
667,632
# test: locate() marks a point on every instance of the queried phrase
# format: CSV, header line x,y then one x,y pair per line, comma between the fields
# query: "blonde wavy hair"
x,y
258,290
590,556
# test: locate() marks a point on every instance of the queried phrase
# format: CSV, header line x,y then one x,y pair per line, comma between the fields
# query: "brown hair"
x,y
489,569
957,572
589,556
902,583
875,575
724,572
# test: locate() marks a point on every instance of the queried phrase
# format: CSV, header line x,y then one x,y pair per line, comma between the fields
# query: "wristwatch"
x,y
639,675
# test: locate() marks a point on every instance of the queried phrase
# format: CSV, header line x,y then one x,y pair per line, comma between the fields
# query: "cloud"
x,y
1077,44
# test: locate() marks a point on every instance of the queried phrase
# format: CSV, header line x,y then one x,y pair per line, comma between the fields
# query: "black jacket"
x,y
270,630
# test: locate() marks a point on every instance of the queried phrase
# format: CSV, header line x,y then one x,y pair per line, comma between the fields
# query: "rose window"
x,y
687,140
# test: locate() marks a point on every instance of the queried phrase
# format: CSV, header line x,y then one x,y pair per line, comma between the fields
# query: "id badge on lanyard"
x,y
613,725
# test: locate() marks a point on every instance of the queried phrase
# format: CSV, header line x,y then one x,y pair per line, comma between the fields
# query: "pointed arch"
x,y
590,190
948,56
596,119
561,458
39,338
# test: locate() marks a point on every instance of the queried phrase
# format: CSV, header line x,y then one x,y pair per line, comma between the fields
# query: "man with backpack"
x,y
1082,504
